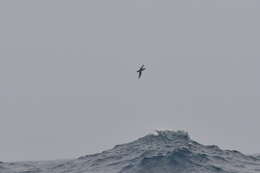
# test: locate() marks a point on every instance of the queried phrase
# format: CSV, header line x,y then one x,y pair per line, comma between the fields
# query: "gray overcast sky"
x,y
68,76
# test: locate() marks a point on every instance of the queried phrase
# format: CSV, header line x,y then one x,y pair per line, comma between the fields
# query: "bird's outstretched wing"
x,y
140,74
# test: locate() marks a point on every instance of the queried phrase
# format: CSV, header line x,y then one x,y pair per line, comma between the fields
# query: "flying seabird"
x,y
140,71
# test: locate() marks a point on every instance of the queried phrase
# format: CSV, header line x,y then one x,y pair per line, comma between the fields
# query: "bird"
x,y
140,71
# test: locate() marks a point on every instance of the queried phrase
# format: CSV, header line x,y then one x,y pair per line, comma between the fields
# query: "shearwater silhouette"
x,y
140,71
